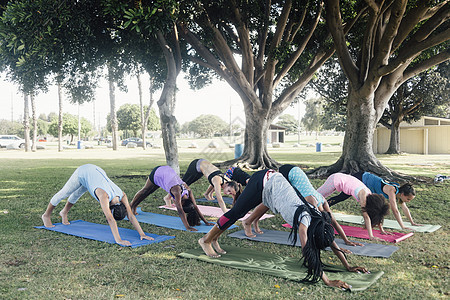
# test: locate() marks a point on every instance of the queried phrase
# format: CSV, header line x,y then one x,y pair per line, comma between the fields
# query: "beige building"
x,y
429,135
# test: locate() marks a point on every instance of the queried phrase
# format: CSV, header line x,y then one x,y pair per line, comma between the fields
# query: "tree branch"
x,y
335,26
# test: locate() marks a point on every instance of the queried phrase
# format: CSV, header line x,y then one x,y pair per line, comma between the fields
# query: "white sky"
x,y
217,99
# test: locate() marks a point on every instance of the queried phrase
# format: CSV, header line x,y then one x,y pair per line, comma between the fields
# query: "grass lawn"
x,y
39,264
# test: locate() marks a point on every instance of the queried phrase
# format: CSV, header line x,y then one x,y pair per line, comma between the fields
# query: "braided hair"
x,y
320,236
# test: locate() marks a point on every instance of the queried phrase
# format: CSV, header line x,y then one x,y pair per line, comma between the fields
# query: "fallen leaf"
x,y
277,286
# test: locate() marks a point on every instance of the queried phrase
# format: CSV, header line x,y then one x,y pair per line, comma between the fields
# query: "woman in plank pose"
x,y
373,206
274,191
390,190
113,201
166,178
201,167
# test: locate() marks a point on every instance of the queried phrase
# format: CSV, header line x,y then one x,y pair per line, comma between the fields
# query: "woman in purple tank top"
x,y
166,178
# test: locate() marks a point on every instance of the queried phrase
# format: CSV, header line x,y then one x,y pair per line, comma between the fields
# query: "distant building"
x,y
276,134
429,135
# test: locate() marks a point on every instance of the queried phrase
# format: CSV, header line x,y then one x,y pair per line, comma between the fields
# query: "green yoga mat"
x,y
393,224
281,266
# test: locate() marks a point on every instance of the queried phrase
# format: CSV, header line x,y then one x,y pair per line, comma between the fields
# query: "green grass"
x,y
39,264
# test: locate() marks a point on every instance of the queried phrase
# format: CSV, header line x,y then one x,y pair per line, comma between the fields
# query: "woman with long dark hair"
x,y
166,178
315,232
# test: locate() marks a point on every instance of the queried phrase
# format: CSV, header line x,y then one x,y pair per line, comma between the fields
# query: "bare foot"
x,y
63,215
47,221
168,200
248,229
256,227
208,196
208,249
216,246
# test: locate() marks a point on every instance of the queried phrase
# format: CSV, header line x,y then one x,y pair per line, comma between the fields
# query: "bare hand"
x,y
346,251
191,229
386,233
123,243
358,269
415,224
209,223
409,229
354,244
374,238
338,284
146,237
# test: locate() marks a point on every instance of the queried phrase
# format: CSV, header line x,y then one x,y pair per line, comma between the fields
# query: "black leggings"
x,y
249,199
192,175
343,196
240,176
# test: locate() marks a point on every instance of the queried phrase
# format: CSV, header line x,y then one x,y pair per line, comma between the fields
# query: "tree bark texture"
x,y
394,142
26,123
60,117
113,115
34,120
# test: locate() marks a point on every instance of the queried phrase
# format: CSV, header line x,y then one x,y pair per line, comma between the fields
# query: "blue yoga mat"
x,y
282,237
227,200
103,233
168,221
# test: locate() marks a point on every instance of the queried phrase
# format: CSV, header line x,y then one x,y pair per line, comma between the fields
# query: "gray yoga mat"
x,y
393,224
282,237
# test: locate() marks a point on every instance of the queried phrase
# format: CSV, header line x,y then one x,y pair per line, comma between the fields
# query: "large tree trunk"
x,y
141,106
113,116
166,102
357,152
60,118
168,122
255,154
34,120
394,143
26,123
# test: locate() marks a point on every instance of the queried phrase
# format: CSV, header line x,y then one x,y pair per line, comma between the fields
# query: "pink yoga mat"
x,y
359,232
213,211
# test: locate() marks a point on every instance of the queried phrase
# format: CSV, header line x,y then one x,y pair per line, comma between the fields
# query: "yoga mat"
x,y
169,221
100,232
289,268
282,237
393,224
227,200
214,211
393,237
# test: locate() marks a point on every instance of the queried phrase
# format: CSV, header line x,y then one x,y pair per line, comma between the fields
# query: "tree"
x,y
129,118
207,125
156,46
11,127
70,126
417,97
281,45
290,122
377,57
312,120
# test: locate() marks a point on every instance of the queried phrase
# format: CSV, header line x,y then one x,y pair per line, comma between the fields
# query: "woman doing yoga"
x,y
201,167
373,206
390,190
298,179
274,191
166,178
233,174
113,201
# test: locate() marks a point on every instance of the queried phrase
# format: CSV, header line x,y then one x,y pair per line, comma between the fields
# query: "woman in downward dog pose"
x,y
373,206
298,179
166,178
275,192
113,201
390,190
201,167
233,174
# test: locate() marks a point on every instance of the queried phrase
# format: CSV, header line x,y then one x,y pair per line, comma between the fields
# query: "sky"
x,y
218,99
